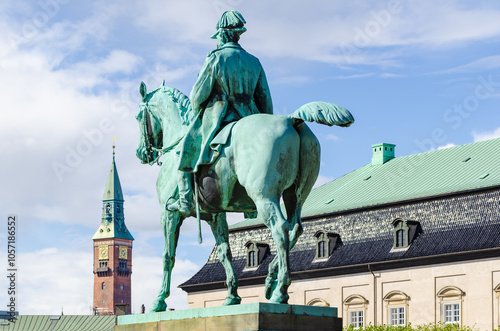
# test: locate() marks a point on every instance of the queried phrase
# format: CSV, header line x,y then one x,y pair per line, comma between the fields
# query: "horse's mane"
x,y
182,102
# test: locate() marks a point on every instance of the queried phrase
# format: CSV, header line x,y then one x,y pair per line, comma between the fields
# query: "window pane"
x,y
356,318
251,259
400,238
451,313
322,249
397,316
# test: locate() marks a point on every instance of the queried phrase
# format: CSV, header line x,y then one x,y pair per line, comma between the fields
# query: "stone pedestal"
x,y
252,316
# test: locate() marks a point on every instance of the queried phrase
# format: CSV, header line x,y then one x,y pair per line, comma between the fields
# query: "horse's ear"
x,y
143,91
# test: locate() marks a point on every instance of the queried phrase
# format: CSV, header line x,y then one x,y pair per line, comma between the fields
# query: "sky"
x,y
419,74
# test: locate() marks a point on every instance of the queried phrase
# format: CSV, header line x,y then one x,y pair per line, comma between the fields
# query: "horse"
x,y
266,158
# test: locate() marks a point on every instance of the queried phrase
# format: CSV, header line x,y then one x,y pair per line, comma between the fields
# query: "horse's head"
x,y
150,126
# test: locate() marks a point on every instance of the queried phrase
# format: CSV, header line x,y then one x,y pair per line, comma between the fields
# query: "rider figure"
x,y
231,85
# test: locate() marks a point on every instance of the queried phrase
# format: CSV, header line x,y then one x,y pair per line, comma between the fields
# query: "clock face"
x,y
122,253
103,252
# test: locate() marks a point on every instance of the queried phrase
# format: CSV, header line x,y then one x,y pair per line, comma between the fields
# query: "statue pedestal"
x,y
252,316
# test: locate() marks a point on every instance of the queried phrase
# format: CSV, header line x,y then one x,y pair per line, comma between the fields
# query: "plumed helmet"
x,y
232,20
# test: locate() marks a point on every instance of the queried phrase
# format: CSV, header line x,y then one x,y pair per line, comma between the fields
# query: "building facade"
x,y
112,253
403,240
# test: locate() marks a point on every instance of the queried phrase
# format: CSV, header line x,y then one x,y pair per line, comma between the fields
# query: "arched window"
x,y
451,298
121,286
355,311
103,286
396,304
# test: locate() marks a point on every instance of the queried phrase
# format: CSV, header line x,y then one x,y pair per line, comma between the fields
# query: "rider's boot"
x,y
185,202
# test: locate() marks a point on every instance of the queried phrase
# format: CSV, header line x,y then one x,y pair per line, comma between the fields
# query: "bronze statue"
x,y
244,158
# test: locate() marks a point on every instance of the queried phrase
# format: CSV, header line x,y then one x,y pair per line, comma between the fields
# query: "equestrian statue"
x,y
223,150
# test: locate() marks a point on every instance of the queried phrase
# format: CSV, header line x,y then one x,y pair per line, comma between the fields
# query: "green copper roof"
x,y
60,323
449,170
113,189
113,218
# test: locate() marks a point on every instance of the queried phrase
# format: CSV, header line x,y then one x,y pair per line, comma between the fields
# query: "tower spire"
x,y
113,220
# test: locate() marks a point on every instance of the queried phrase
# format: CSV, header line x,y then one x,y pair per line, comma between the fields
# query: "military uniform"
x,y
231,85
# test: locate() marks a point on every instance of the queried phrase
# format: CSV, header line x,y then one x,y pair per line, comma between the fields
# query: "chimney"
x,y
382,153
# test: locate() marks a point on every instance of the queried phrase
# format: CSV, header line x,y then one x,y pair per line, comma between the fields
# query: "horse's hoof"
x,y
279,298
158,305
232,300
270,286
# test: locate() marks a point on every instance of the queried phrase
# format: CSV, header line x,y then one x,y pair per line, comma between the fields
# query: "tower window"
x,y
121,286
108,208
118,209
103,286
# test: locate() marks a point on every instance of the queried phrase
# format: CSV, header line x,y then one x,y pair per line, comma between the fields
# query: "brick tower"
x,y
112,253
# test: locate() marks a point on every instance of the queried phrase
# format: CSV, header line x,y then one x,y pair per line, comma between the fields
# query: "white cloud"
x,y
321,180
480,136
62,278
331,137
448,145
485,63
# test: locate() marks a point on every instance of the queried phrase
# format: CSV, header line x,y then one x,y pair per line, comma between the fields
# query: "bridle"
x,y
149,139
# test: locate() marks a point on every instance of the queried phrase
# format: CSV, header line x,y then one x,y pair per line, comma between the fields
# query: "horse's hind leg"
x,y
170,223
270,211
295,196
293,205
220,231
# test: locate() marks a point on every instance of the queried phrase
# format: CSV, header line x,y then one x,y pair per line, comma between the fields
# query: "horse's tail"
x,y
323,113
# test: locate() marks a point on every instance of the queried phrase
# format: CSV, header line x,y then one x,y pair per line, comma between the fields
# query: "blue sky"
x,y
419,74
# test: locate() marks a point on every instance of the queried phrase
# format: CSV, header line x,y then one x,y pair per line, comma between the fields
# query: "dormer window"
x,y
326,244
256,253
405,231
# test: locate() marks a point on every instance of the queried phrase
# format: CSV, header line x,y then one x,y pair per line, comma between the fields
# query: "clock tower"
x,y
112,253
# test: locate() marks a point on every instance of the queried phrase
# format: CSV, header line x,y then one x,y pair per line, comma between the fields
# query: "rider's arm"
x,y
204,85
262,95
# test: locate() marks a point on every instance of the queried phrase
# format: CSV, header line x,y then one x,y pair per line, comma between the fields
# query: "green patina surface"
x,y
250,308
409,177
60,323
113,223
243,156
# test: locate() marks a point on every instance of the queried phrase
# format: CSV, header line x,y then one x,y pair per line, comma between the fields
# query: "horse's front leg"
x,y
220,231
273,218
171,223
